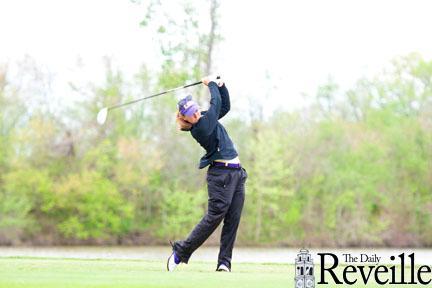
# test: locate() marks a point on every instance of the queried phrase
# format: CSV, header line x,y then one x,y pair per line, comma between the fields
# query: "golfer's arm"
x,y
210,118
226,105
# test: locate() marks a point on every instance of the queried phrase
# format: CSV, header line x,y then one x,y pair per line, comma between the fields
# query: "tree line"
x,y
352,169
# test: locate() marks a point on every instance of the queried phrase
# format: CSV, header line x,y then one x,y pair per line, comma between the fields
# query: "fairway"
x,y
50,272
46,272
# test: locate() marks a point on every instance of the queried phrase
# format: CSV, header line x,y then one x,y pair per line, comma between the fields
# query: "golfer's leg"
x,y
231,223
218,205
199,234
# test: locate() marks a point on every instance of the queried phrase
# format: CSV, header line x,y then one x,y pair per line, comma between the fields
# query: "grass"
x,y
44,272
50,272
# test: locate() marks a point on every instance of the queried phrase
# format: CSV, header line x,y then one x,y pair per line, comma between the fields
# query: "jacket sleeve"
x,y
226,105
208,121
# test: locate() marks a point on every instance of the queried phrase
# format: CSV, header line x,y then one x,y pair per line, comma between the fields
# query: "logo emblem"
x,y
304,270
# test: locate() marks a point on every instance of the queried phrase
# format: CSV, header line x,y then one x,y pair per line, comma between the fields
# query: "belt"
x,y
228,165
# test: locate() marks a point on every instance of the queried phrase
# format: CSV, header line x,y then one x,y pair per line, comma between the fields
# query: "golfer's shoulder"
x,y
203,122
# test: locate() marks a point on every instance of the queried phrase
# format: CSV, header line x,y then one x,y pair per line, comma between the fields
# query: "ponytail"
x,y
182,124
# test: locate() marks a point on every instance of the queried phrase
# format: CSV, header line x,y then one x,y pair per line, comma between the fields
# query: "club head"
x,y
102,115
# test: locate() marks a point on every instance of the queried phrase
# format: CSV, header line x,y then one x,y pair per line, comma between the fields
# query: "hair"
x,y
182,124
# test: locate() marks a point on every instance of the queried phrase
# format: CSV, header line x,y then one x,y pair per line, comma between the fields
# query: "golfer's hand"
x,y
206,80
212,78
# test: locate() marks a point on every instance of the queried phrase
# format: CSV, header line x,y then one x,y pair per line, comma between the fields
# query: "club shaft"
x,y
151,96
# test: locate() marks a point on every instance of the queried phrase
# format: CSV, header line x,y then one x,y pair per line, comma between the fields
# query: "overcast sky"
x,y
297,44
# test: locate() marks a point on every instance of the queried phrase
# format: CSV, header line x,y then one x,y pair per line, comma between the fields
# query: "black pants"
x,y
226,191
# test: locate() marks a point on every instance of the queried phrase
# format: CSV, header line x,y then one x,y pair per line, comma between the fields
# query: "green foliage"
x,y
24,195
180,212
90,206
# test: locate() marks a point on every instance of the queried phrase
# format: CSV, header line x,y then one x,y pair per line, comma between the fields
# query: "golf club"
x,y
103,113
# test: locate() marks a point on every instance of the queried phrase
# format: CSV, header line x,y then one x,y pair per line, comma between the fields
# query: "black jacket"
x,y
209,133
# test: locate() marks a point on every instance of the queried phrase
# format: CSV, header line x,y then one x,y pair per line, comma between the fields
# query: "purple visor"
x,y
187,106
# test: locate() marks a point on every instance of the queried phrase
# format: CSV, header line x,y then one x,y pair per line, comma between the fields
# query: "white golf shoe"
x,y
223,268
173,262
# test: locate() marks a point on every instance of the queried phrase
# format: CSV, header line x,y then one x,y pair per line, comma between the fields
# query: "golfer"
x,y
225,176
